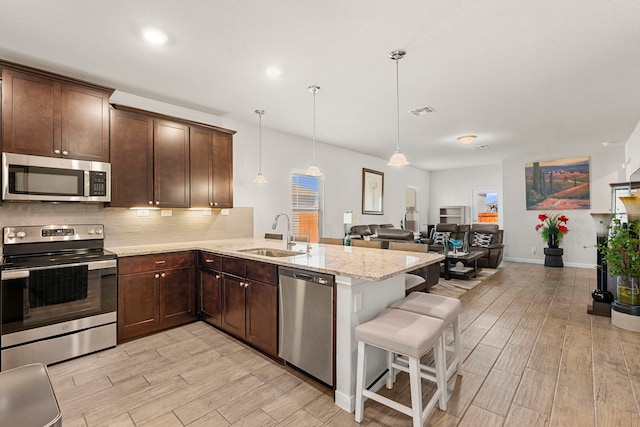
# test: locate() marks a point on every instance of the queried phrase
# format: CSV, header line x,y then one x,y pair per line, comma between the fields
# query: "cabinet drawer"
x,y
262,272
142,263
234,266
210,261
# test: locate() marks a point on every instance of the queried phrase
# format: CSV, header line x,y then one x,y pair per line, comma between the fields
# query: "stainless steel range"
x,y
58,294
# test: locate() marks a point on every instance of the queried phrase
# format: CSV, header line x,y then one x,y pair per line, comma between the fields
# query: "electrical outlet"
x,y
166,212
142,212
533,249
357,303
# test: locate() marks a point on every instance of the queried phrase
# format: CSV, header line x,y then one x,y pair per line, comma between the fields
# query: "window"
x,y
306,205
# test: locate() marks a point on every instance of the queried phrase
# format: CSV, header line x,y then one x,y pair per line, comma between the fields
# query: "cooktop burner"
x,y
60,258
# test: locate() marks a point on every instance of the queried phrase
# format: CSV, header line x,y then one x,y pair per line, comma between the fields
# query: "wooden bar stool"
x,y
443,308
411,335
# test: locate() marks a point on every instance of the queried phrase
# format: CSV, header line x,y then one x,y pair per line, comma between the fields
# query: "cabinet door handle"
x,y
210,203
158,203
217,276
65,153
56,151
157,276
246,284
160,262
163,275
215,203
208,260
151,202
241,284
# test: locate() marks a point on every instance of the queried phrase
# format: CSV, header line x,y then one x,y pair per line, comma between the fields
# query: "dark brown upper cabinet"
x,y
48,115
149,161
211,168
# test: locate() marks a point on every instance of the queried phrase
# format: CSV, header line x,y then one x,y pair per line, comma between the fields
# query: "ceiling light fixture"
x,y
273,71
313,169
398,159
260,179
154,36
466,139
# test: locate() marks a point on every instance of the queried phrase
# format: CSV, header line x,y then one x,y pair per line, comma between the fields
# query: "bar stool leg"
x,y
360,370
441,371
391,372
416,391
456,344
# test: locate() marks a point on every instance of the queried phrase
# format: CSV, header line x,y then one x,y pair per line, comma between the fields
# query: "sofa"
x,y
384,232
486,238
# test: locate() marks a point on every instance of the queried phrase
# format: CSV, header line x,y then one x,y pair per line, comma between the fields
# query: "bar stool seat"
x,y
440,307
412,335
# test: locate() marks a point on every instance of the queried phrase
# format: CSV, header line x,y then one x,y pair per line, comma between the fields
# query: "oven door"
x,y
35,303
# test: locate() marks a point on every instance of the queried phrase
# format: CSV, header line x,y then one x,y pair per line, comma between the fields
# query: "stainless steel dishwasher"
x,y
306,322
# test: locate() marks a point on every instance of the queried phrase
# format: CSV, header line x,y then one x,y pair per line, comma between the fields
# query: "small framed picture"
x,y
372,192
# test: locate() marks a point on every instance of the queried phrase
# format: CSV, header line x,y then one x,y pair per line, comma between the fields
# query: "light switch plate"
x,y
224,211
142,212
166,212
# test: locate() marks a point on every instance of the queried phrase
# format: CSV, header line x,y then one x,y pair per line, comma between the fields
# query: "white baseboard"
x,y
541,261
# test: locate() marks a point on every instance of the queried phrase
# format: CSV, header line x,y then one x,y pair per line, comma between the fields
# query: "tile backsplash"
x,y
124,227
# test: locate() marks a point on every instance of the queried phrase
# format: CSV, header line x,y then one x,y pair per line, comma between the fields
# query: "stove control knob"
x,y
21,234
91,231
11,235
99,231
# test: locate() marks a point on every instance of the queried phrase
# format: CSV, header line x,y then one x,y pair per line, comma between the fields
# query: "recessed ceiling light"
x,y
273,71
154,36
467,139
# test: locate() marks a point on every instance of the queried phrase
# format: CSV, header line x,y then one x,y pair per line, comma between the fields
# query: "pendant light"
x,y
260,179
313,169
398,159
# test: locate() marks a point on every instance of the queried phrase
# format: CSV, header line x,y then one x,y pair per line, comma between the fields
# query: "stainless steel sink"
x,y
271,252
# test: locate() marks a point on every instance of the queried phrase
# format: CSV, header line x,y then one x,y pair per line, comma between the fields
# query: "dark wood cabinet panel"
x,y
233,305
177,304
201,147
262,316
222,170
45,116
171,164
211,168
262,272
234,266
85,124
210,294
131,159
138,300
30,114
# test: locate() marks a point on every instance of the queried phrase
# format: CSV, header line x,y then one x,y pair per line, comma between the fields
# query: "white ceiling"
x,y
529,77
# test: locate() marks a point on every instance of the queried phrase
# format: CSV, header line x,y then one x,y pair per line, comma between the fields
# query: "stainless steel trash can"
x,y
27,398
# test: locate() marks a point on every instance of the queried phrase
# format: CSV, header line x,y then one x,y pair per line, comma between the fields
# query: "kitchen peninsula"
x,y
367,281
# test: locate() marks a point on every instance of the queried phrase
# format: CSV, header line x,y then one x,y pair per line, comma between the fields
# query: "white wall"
x,y
454,187
520,235
632,155
283,154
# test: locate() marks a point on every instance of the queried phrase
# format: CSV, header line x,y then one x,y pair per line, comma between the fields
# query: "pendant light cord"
x,y
314,126
260,145
397,107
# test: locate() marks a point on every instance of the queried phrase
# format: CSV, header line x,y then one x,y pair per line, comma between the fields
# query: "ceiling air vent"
x,y
422,111
479,147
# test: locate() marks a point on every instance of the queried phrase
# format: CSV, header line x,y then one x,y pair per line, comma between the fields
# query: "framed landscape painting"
x,y
558,184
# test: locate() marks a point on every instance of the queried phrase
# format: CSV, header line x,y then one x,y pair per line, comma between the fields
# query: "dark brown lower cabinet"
x,y
155,292
241,297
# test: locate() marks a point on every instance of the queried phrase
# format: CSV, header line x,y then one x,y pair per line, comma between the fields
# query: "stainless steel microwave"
x,y
26,177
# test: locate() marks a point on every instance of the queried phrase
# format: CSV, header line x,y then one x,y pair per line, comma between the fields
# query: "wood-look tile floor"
x,y
533,357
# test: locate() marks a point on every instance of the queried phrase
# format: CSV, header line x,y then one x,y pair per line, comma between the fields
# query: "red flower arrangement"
x,y
554,224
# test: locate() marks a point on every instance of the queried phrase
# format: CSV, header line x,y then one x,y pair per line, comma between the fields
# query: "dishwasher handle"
x,y
303,276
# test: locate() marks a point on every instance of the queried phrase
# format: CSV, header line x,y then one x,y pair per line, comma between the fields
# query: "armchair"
x,y
487,237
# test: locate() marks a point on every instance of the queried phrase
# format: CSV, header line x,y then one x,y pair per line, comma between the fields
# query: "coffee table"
x,y
467,272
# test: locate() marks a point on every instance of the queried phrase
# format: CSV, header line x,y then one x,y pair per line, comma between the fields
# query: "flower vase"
x,y
553,240
628,291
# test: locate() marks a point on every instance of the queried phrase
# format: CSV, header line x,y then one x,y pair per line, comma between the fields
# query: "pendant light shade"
x,y
398,159
314,170
260,179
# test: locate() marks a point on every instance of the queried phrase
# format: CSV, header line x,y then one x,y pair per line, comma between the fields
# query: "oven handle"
x,y
15,274
93,265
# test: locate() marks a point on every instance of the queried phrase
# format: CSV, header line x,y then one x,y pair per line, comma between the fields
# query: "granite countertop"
x,y
353,262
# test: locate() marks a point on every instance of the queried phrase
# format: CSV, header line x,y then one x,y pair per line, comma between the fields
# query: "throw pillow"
x,y
481,240
439,236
